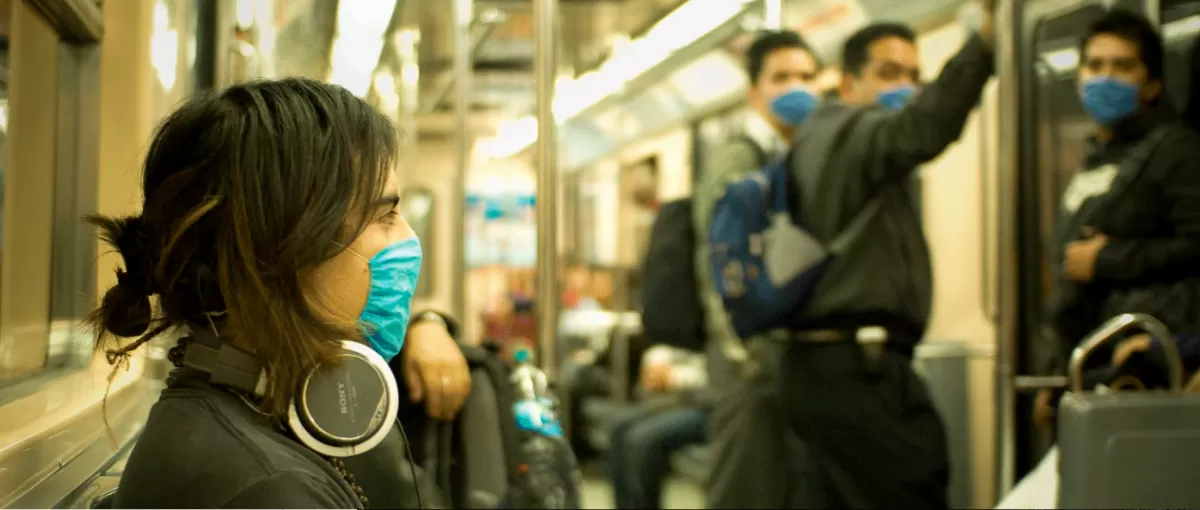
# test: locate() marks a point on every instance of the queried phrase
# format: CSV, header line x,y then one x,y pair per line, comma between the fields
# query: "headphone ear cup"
x,y
347,409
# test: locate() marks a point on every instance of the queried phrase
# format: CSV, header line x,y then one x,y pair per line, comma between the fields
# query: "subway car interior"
x,y
539,139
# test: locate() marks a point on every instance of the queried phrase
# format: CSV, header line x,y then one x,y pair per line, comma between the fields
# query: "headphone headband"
x,y
222,363
339,411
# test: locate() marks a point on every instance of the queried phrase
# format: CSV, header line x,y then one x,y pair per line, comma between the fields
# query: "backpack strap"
x,y
759,153
857,225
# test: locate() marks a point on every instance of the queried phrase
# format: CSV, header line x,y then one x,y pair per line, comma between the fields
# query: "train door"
x,y
1181,28
1053,138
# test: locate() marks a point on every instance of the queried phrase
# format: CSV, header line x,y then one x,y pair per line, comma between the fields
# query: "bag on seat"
x,y
671,310
1128,449
484,459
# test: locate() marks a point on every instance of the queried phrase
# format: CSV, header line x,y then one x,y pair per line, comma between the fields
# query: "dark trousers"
x,y
642,444
850,430
870,427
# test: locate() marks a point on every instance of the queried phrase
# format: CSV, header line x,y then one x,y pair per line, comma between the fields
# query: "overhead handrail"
x,y
1117,325
487,21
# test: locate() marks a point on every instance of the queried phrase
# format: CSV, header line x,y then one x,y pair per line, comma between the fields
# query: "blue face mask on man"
x,y
896,98
394,273
1109,100
793,106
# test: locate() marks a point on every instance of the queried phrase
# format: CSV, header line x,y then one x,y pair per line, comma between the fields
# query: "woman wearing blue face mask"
x,y
270,235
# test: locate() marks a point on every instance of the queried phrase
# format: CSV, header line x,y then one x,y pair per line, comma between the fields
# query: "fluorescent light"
x,y
385,89
513,136
1062,61
164,47
683,26
245,14
368,17
1181,28
359,42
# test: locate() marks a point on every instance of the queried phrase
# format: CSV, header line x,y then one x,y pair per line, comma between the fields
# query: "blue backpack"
x,y
765,267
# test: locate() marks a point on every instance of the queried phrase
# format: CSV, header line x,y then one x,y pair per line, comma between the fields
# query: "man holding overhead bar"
x,y
847,388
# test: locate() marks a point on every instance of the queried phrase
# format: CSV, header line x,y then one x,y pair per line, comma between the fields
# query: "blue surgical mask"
x,y
1109,100
896,98
793,106
394,273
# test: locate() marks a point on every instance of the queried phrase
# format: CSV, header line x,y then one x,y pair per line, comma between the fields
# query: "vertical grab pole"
x,y
545,71
462,16
1007,302
410,81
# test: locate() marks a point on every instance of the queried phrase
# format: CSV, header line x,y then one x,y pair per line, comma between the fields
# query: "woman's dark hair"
x,y
245,191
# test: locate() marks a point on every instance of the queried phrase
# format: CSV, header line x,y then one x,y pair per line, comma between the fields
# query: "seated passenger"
x,y
642,444
270,232
1128,234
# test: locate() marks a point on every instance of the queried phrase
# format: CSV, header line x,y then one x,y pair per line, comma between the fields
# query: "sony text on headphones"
x,y
337,410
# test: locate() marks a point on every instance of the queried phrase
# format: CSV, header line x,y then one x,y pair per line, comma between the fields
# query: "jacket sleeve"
x,y
452,326
899,141
1130,260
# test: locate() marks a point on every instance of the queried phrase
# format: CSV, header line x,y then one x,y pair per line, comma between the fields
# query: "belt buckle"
x,y
871,340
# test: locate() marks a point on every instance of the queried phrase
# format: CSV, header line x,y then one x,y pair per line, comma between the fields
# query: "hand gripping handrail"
x,y
1116,325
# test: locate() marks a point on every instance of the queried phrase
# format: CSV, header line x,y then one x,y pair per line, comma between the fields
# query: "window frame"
x,y
79,27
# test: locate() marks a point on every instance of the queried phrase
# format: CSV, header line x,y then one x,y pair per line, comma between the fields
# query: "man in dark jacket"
x,y
847,385
1128,235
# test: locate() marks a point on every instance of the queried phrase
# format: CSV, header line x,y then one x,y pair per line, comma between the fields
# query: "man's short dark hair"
x,y
856,51
766,44
1134,28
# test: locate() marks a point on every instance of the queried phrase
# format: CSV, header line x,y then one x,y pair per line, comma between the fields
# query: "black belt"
x,y
870,338
865,335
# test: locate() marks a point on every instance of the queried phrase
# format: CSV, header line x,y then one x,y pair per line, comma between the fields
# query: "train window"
x,y
5,23
417,206
1180,29
1062,126
50,175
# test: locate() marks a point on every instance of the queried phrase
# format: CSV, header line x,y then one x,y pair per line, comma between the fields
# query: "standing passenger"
x,y
1128,232
873,437
783,73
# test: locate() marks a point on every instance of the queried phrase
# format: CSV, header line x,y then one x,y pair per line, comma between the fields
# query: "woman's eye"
x,y
390,217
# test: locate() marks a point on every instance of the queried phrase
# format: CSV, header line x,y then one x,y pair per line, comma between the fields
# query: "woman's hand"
x,y
435,370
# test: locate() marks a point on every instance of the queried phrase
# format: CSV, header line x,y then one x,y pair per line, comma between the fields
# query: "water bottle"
x,y
550,477
534,407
